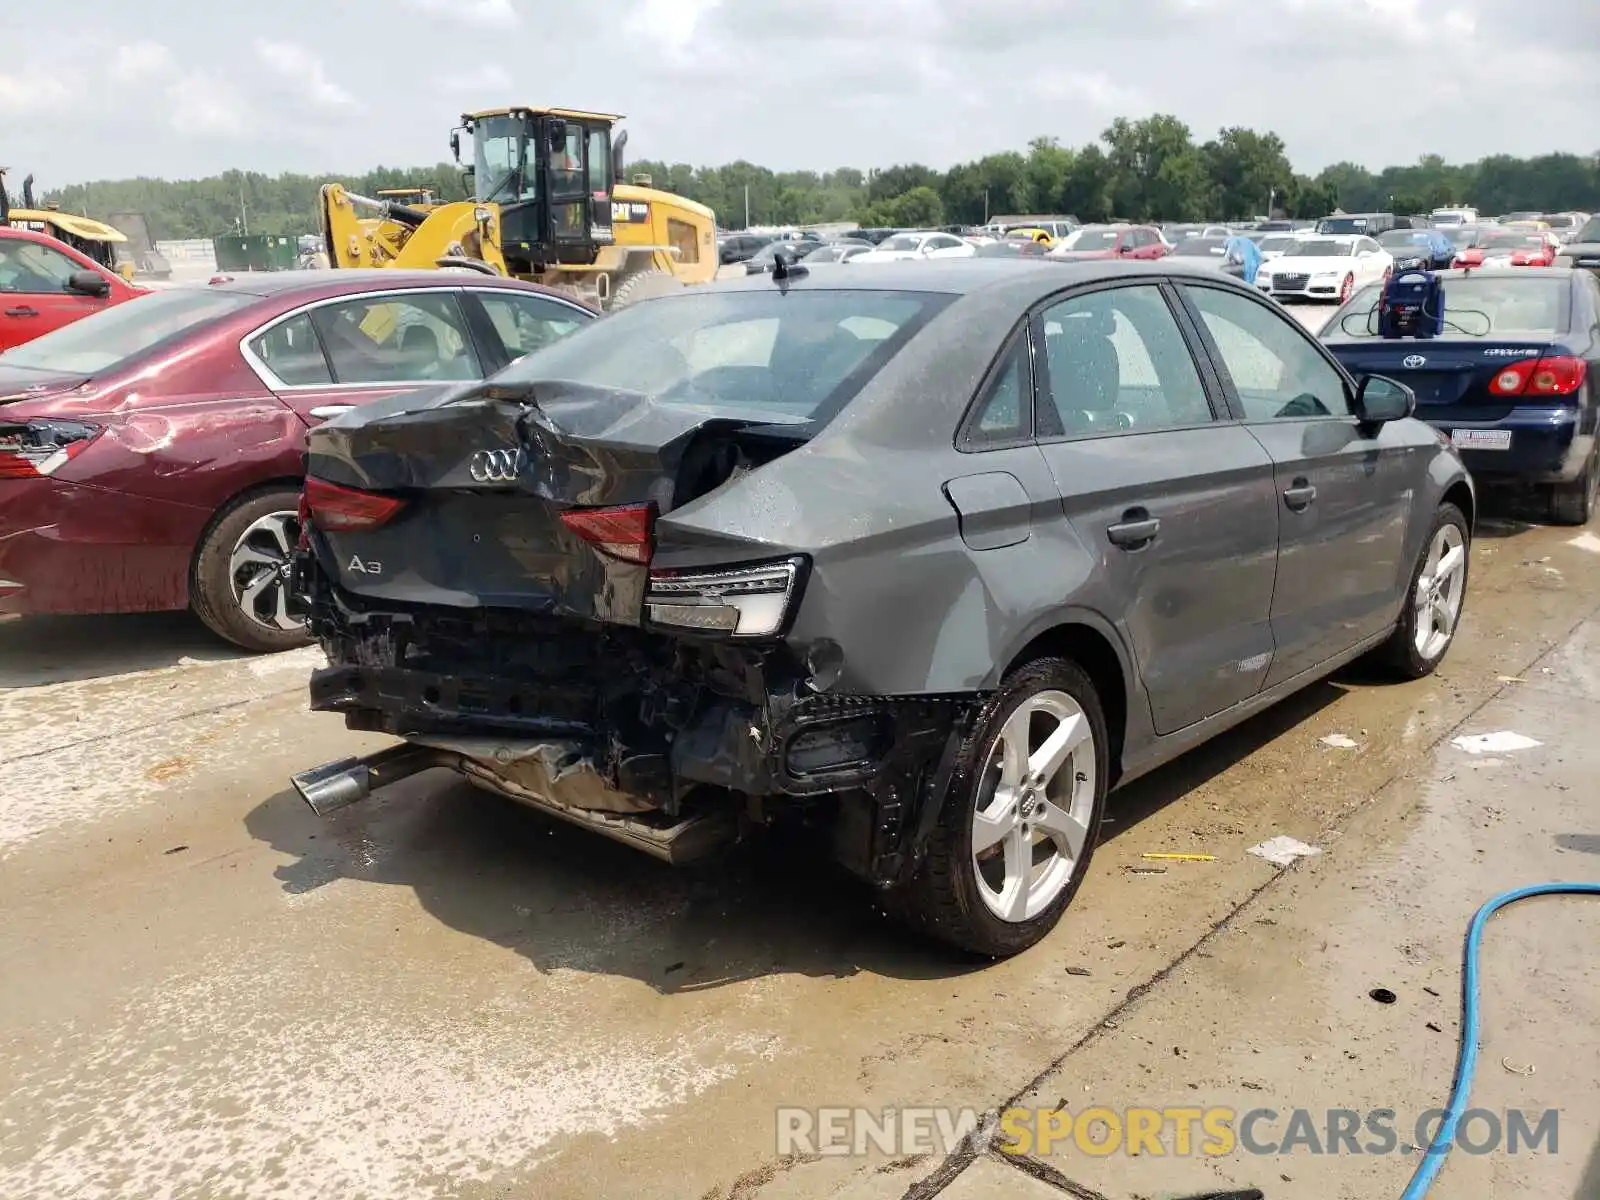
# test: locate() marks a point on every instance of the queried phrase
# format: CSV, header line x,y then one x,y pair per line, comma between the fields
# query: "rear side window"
x,y
1117,361
292,351
800,355
397,339
1005,414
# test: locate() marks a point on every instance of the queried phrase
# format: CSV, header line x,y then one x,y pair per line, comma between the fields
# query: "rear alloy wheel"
x,y
1021,817
240,587
1573,503
1346,288
1433,605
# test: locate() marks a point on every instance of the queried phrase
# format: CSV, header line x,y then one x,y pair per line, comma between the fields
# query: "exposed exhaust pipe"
x,y
675,840
341,783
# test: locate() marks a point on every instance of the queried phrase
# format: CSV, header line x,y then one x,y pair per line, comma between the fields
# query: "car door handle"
x,y
22,311
1299,495
325,411
1136,530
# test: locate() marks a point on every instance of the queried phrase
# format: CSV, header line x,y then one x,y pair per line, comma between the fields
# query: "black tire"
x,y
942,899
1399,656
211,588
1573,503
644,285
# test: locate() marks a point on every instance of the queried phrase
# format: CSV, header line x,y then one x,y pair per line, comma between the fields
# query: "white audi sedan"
x,y
1325,268
908,247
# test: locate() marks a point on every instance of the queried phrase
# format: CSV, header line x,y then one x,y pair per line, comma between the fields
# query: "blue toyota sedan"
x,y
1512,382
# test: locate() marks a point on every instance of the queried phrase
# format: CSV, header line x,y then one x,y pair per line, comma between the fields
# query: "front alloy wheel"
x,y
1440,589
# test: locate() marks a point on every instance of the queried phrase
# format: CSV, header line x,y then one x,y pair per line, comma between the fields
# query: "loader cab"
x,y
551,173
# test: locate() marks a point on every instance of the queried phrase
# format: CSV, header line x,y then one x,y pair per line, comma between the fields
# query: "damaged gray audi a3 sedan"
x,y
926,557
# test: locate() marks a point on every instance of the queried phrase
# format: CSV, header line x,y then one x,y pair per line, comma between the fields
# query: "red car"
x,y
150,455
1510,248
45,284
1113,241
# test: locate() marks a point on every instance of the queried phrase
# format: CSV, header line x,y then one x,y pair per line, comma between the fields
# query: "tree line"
x,y
1152,169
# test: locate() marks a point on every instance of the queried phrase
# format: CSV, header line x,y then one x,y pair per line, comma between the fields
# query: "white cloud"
x,y
490,83
139,60
30,91
491,14
304,70
206,104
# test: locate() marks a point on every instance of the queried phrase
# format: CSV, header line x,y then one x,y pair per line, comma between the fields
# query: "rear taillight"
x,y
335,509
623,532
1558,375
30,449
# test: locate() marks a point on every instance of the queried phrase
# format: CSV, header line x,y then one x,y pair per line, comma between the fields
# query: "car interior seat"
x,y
1085,377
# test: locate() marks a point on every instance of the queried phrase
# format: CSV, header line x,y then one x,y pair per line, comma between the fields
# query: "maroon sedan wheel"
x,y
240,586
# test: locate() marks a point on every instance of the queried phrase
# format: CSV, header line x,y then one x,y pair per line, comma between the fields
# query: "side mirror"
x,y
455,144
89,283
1380,399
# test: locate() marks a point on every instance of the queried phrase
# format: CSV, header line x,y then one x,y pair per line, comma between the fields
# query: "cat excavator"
x,y
547,205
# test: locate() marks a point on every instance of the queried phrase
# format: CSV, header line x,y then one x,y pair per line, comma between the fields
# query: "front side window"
x,y
1116,360
397,339
528,323
599,162
31,268
1275,368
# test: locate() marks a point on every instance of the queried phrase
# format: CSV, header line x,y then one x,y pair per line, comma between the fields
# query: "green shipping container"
x,y
255,252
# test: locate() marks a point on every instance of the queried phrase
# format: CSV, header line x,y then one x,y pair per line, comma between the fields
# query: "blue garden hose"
x,y
1467,1063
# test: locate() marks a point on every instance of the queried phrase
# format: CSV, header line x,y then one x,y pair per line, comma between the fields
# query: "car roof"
x,y
1026,279
357,279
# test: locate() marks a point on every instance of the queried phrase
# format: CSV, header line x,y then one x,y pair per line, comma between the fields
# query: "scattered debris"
x,y
1586,541
1383,995
1429,990
1254,1087
1339,741
1079,971
1147,870
1493,743
1117,945
175,850
1518,1068
1434,1026
1283,851
1182,857
1509,679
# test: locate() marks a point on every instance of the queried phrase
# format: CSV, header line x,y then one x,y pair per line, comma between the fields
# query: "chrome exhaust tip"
x,y
343,782
334,785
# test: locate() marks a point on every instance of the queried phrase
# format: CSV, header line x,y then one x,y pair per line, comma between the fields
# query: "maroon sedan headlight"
x,y
31,449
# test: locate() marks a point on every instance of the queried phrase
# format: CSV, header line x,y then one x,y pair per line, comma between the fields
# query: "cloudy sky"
x,y
181,88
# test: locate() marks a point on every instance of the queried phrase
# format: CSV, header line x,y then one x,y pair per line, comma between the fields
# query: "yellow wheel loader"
x,y
547,206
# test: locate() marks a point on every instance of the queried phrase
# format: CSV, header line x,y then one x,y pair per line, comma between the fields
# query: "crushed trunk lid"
x,y
483,475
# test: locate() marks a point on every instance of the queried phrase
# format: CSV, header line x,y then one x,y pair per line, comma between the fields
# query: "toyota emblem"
x,y
1413,361
496,466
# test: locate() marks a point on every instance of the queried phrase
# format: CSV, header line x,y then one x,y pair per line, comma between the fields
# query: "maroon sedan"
x,y
150,454
1135,242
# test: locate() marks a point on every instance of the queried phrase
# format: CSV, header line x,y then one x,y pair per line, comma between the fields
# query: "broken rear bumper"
x,y
635,733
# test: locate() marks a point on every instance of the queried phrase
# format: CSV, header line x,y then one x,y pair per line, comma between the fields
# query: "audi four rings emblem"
x,y
1413,361
496,466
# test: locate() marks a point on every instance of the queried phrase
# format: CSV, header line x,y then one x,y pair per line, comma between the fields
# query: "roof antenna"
x,y
783,272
